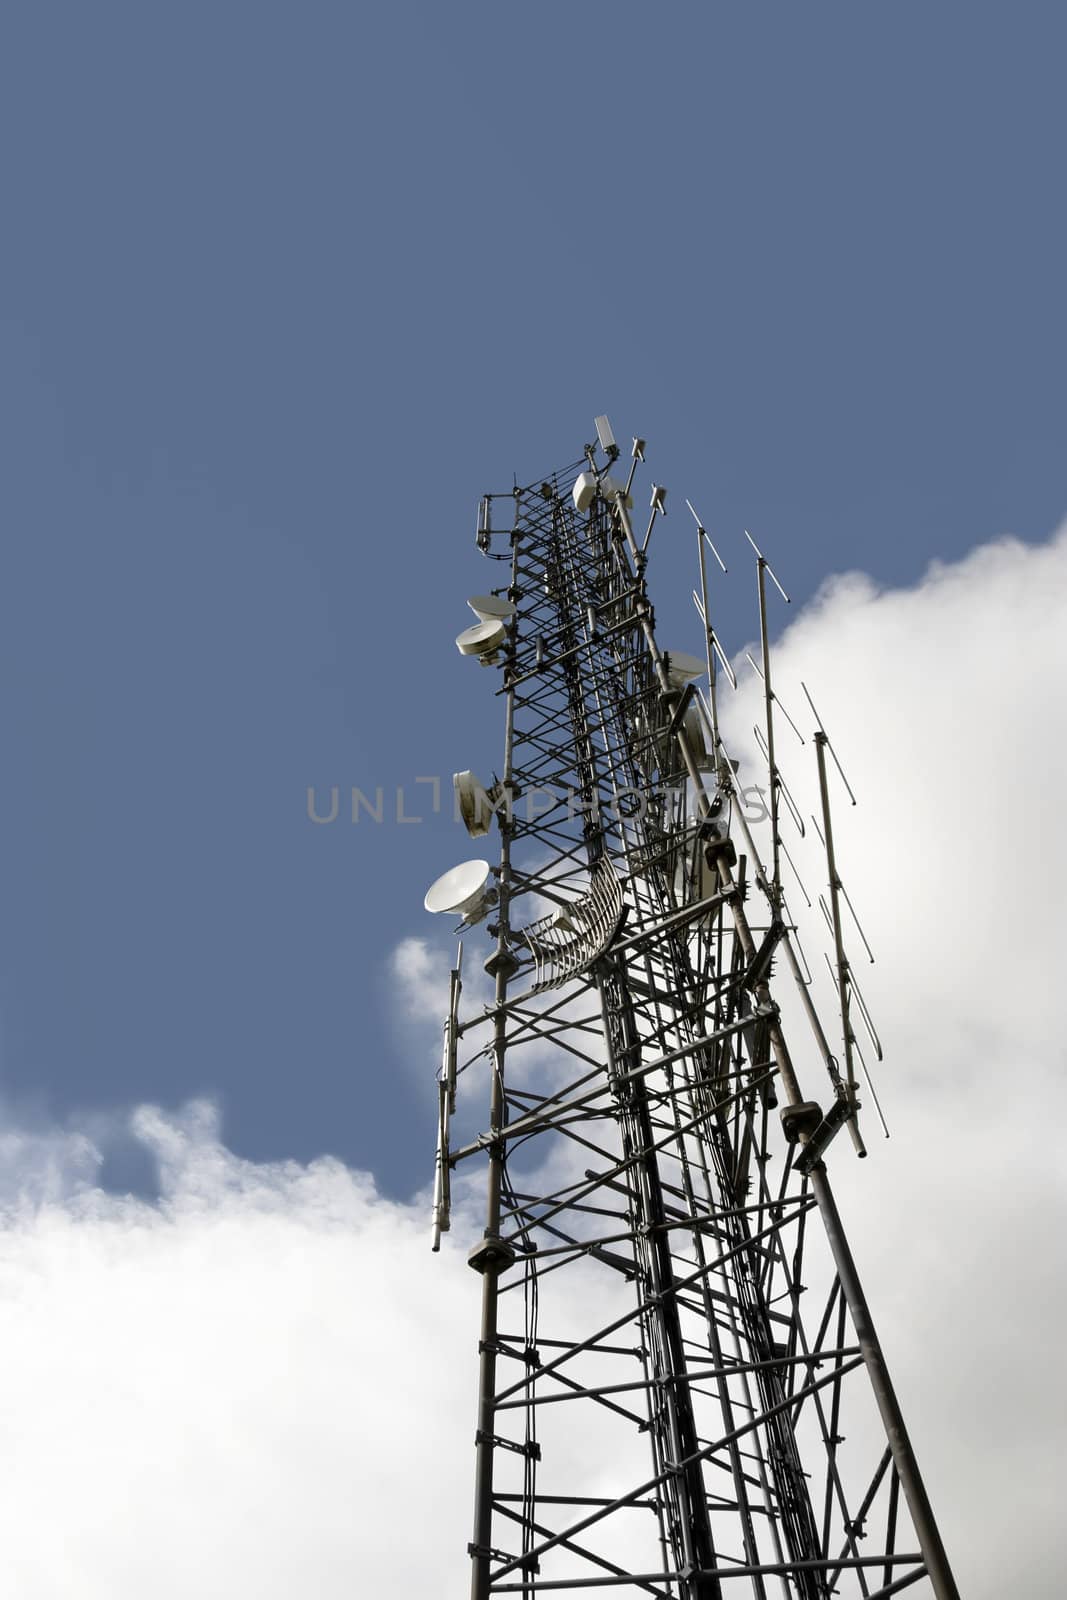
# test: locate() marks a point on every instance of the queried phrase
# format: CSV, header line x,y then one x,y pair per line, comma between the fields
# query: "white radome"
x,y
683,668
490,608
483,639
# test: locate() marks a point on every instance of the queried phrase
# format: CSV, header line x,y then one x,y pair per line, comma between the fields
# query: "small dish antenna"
x,y
483,641
474,803
682,668
489,608
464,891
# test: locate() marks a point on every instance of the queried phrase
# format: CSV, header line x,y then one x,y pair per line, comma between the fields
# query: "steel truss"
x,y
681,1390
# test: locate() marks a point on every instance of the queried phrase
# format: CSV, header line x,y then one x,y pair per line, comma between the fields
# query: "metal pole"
x,y
772,770
922,1515
489,1257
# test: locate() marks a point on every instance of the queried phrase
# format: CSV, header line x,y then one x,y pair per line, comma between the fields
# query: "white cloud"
x,y
423,980
945,705
263,1384
257,1386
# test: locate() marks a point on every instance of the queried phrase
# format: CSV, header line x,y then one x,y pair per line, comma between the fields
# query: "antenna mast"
x,y
681,1390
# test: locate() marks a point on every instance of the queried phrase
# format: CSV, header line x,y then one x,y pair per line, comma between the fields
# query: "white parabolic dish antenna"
x,y
482,640
462,890
681,668
490,608
475,806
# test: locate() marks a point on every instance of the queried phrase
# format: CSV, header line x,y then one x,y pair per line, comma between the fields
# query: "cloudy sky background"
x,y
264,1380
284,290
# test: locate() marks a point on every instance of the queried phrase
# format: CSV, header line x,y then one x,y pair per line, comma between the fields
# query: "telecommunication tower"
x,y
681,1390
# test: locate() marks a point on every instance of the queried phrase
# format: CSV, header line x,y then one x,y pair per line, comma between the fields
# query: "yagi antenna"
x,y
829,744
767,567
856,920
794,939
702,533
796,874
774,776
711,647
724,660
786,795
868,1021
776,697
833,918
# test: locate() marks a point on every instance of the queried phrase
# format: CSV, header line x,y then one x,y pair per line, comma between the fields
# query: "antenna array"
x,y
681,1391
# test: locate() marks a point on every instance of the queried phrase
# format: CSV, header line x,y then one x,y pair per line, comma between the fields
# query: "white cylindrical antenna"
x,y
441,1175
455,989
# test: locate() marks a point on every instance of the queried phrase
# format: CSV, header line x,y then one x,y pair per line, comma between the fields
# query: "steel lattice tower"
x,y
682,1393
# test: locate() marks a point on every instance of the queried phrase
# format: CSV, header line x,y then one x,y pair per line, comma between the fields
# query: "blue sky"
x,y
283,291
